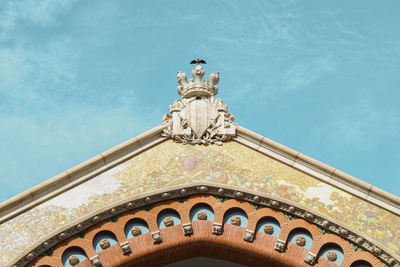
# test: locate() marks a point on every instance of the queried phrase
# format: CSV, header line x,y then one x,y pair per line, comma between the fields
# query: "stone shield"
x,y
199,120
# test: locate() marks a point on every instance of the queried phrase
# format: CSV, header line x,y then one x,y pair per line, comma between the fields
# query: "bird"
x,y
198,61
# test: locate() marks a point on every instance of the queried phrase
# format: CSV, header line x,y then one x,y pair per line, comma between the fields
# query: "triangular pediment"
x,y
186,150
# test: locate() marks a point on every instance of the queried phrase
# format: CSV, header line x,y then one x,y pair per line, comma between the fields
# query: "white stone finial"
x,y
198,117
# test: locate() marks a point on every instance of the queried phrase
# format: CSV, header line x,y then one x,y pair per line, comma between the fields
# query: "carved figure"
x,y
136,231
235,220
168,221
202,215
331,255
104,243
73,260
268,229
300,241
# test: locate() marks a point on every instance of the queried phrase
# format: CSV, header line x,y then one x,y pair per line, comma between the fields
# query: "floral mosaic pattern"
x,y
170,164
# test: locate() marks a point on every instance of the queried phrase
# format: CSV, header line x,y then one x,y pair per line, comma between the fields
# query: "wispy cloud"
x,y
42,13
360,125
302,74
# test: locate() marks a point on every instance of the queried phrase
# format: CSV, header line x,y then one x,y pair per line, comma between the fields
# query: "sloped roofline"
x,y
132,147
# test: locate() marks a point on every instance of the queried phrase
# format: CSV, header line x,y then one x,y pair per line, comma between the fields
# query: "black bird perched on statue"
x,y
198,61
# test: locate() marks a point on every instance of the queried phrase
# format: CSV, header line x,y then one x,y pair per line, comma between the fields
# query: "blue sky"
x,y
79,77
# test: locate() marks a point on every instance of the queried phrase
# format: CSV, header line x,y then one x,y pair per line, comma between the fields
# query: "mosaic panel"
x,y
171,164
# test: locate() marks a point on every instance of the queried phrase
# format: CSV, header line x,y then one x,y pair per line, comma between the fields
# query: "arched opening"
x,y
333,253
360,263
202,211
168,217
104,240
135,227
236,216
268,225
73,256
301,237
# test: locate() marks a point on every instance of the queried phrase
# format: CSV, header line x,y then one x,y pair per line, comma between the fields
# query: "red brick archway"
x,y
174,244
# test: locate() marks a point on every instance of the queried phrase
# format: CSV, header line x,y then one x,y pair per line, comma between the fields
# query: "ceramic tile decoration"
x,y
171,164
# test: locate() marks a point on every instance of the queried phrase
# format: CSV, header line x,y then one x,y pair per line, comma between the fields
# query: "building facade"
x,y
200,185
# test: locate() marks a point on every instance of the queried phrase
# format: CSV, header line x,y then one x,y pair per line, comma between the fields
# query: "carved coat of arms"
x,y
199,117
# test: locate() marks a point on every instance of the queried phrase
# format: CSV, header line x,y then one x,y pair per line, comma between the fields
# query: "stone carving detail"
x,y
198,117
187,229
104,243
73,260
300,241
217,229
331,255
168,221
126,249
343,231
235,220
202,215
96,261
136,231
310,258
268,229
280,245
248,235
156,236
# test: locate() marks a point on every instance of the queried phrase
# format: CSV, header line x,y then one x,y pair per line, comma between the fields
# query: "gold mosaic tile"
x,y
170,164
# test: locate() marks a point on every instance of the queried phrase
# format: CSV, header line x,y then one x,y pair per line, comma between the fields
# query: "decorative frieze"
x,y
217,228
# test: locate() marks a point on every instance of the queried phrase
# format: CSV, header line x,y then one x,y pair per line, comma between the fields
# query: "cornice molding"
x,y
79,174
319,170
132,147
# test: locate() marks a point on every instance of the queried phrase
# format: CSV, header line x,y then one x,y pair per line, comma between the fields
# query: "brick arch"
x,y
336,240
231,239
44,261
299,223
199,199
234,203
159,207
267,212
131,215
365,256
104,226
70,243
